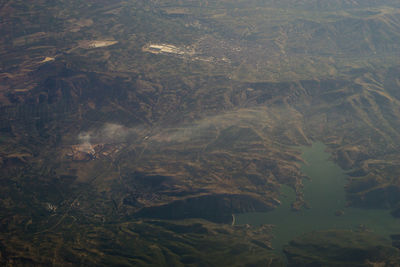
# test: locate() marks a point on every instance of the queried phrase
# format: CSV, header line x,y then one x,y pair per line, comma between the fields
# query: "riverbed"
x,y
325,194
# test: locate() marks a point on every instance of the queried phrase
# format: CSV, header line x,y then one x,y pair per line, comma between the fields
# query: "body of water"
x,y
325,194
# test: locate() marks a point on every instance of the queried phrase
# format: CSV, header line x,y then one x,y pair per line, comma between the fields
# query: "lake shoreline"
x,y
324,193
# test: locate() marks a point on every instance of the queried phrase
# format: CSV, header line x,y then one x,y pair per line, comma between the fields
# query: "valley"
x,y
129,120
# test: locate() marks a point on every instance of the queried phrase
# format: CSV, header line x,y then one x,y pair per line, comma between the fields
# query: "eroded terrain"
x,y
112,112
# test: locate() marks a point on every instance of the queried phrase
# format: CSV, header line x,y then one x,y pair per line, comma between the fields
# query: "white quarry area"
x,y
188,52
167,49
90,44
95,44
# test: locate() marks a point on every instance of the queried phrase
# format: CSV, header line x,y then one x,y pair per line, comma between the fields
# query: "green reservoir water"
x,y
325,194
